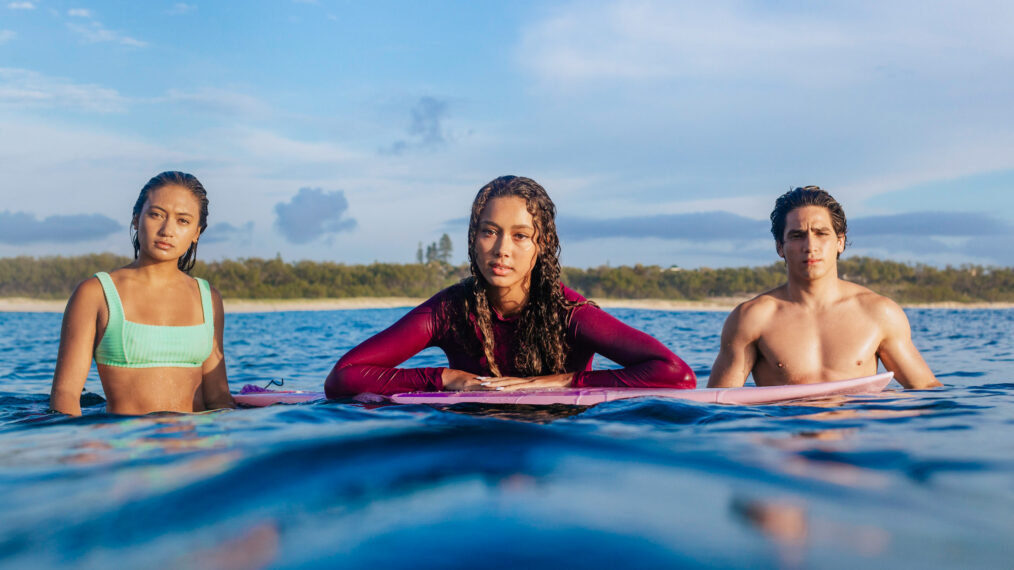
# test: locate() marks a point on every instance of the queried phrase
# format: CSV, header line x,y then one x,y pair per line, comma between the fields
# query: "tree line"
x,y
255,278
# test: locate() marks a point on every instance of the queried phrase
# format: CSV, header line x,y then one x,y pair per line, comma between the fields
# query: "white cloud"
x,y
95,32
274,148
21,6
677,102
21,88
7,35
79,13
180,8
60,169
219,101
655,40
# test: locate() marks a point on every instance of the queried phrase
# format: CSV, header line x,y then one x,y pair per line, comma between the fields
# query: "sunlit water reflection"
x,y
900,479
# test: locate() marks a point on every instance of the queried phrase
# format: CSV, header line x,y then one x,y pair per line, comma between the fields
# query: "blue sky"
x,y
351,131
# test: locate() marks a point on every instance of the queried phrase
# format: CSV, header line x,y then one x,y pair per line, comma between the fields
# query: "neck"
x,y
152,270
507,301
814,292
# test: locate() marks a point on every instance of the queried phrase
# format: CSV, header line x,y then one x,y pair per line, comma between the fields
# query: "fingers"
x,y
504,382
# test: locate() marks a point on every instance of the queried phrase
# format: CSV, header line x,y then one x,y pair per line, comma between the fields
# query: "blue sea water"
x,y
896,480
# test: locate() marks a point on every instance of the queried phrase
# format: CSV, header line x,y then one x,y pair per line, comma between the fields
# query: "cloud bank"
x,y
18,228
224,231
312,213
25,88
701,226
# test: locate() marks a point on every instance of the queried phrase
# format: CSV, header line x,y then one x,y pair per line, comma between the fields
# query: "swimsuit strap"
x,y
209,310
112,298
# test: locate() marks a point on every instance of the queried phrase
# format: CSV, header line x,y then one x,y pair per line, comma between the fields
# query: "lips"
x,y
500,270
163,245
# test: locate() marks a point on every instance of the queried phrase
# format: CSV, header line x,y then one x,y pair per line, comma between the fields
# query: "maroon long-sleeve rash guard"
x,y
371,366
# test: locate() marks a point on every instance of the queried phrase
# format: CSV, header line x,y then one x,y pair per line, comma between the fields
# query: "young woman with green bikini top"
x,y
154,331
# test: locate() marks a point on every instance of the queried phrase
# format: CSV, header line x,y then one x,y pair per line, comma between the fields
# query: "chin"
x,y
499,282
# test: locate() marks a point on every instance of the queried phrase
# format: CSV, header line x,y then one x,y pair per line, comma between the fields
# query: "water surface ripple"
x,y
899,479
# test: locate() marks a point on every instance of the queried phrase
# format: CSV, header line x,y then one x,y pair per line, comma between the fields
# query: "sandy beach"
x,y
26,305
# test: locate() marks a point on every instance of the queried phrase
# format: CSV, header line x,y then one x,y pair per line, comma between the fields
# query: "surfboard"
x,y
749,395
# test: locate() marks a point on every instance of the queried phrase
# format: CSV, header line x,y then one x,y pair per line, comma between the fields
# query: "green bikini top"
x,y
135,345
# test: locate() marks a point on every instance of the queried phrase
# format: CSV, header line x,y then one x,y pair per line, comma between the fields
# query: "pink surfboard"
x,y
254,396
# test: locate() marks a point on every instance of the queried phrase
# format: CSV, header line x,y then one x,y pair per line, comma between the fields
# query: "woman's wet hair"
x,y
541,336
806,196
183,180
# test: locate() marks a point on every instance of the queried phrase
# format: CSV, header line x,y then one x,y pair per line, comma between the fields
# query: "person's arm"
x,y
646,362
215,383
77,342
737,353
897,351
370,367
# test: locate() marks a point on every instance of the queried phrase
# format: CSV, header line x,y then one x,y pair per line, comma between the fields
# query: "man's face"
x,y
810,247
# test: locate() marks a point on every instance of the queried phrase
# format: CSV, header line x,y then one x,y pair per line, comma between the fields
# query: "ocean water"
x,y
896,480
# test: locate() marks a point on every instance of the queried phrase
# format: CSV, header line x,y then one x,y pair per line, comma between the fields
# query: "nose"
x,y
501,247
166,228
808,242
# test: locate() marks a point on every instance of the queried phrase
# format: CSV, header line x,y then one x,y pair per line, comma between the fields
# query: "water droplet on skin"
x,y
780,365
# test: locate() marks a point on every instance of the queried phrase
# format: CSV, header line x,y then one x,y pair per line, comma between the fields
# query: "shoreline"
x,y
236,306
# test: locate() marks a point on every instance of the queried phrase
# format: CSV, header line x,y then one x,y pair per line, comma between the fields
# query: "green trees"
x,y
436,252
254,278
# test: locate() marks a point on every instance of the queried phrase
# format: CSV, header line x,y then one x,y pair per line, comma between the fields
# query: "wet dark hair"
x,y
542,326
806,196
183,180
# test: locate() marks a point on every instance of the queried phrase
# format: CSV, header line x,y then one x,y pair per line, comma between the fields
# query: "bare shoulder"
x,y
217,304
874,303
764,305
750,317
88,292
216,297
883,310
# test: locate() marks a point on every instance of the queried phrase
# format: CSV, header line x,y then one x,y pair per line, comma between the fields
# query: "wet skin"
x,y
506,251
817,327
153,291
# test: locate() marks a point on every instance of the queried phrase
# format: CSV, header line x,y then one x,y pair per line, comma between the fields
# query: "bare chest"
x,y
804,347
172,306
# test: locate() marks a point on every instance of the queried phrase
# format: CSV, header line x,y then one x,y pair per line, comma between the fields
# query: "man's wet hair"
x,y
806,196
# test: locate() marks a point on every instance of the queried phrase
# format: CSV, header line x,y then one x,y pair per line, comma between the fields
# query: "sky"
x,y
663,131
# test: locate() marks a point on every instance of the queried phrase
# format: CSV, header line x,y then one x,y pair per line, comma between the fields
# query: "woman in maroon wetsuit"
x,y
512,325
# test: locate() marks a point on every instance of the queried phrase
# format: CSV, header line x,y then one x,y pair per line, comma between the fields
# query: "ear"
x,y
841,244
779,249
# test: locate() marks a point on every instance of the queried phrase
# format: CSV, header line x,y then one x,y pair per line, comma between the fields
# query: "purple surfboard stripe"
x,y
269,397
589,396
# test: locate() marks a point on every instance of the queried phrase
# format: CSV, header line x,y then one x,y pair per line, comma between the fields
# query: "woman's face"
x,y
505,246
168,223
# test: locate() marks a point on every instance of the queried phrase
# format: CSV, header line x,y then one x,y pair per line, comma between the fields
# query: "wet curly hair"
x,y
541,343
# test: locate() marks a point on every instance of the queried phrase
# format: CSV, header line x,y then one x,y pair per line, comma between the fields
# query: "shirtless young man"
x,y
816,327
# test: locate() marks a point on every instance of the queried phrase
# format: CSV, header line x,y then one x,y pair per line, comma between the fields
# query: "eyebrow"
x,y
814,228
181,213
514,227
